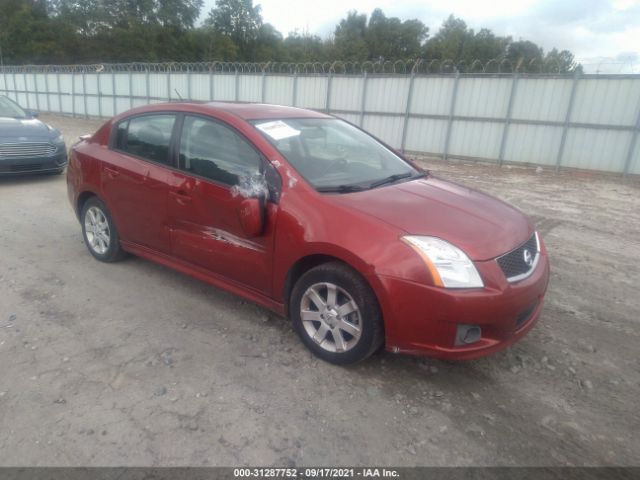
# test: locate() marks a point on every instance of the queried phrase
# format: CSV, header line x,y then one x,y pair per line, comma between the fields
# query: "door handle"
x,y
181,196
112,172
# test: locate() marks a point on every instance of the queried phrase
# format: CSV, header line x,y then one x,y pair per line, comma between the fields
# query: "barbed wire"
x,y
405,67
611,67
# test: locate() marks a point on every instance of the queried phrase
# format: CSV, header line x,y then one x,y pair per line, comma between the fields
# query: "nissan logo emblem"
x,y
528,258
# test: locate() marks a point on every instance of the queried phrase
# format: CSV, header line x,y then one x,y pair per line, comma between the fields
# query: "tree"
x,y
240,20
392,39
218,47
88,31
349,38
84,16
179,14
27,35
523,54
485,46
304,48
450,41
268,44
560,62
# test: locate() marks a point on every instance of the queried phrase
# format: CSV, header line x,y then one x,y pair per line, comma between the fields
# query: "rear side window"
x,y
211,150
148,136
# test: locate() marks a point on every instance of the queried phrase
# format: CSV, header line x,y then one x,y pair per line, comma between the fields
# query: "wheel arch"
x,y
85,195
312,260
82,199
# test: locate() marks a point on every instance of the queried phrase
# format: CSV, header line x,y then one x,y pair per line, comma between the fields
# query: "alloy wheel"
x,y
331,317
97,231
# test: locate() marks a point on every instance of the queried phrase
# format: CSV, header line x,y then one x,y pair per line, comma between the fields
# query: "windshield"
x,y
8,108
333,155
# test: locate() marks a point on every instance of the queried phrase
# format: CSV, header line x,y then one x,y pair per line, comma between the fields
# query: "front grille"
x,y
23,150
513,264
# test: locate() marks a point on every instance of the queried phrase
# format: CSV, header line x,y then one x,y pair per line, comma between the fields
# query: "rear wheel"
x,y
99,231
336,314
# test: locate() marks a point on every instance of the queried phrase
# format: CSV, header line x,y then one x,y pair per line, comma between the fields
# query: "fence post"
x,y
4,78
26,88
35,86
327,102
407,111
84,94
363,100
73,95
169,84
147,85
262,92
295,88
211,91
15,87
632,145
59,92
567,118
237,93
130,89
188,83
452,108
507,120
46,86
113,91
99,93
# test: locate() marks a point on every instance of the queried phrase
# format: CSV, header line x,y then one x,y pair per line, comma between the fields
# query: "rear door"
x,y
134,181
215,164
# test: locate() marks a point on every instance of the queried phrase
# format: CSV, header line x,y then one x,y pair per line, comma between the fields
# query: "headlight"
x,y
59,139
449,266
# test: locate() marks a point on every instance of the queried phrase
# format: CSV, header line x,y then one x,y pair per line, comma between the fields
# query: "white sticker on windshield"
x,y
278,130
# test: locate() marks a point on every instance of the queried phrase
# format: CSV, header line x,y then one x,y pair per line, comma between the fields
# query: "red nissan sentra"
x,y
315,219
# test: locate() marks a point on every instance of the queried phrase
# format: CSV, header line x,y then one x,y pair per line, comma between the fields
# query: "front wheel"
x,y
336,314
99,231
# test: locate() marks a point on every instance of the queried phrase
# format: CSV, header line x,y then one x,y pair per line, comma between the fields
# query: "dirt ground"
x,y
134,364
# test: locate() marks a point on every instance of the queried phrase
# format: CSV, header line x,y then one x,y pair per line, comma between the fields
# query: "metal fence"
x,y
580,121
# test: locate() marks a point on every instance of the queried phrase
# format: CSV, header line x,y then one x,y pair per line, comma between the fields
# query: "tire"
x,y
334,304
99,231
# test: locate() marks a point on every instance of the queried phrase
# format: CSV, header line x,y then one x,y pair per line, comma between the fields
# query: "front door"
x,y
204,198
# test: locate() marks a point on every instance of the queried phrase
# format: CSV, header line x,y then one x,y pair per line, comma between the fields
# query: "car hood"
x,y
29,128
481,225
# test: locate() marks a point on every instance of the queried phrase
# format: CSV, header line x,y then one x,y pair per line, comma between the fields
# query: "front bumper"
x,y
28,165
423,320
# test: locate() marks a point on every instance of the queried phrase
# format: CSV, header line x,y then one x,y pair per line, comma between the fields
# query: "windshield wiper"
x,y
340,189
394,178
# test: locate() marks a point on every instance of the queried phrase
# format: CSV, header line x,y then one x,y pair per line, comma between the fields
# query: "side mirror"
x,y
31,113
251,213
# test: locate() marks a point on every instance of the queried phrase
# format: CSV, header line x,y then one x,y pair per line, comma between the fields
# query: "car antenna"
x,y
178,93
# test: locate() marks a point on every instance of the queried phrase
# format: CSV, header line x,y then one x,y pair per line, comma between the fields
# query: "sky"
x,y
604,35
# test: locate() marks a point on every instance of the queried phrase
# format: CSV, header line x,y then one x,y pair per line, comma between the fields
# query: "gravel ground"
x,y
134,364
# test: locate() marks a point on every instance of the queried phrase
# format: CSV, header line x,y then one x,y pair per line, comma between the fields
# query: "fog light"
x,y
467,334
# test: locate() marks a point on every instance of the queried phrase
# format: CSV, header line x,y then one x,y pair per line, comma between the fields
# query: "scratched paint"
x,y
231,239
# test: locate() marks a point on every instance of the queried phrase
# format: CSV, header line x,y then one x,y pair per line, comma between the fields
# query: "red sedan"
x,y
315,219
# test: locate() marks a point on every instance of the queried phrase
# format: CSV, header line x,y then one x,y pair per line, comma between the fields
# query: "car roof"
x,y
259,111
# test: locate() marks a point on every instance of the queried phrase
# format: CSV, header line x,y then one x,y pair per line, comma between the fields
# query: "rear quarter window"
x,y
147,136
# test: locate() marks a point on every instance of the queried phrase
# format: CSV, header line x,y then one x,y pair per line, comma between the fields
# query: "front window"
x,y
334,156
212,150
8,108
